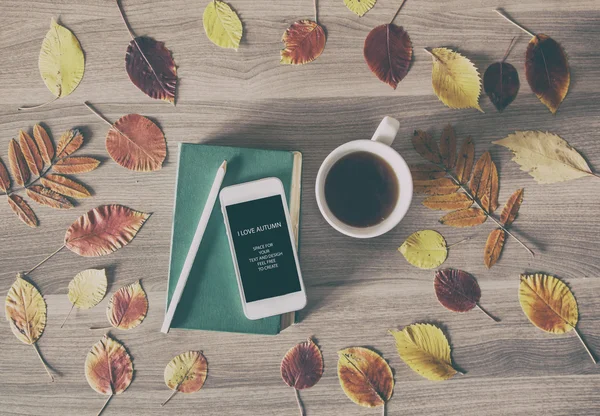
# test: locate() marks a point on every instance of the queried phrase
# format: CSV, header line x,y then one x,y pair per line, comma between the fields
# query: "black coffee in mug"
x,y
361,189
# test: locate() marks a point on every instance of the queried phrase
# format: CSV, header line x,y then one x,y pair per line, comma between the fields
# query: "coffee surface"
x,y
361,189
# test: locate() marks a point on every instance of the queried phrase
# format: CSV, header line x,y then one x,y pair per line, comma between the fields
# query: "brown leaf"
x,y
18,165
449,202
65,186
136,143
128,306
501,84
547,71
456,290
464,218
69,142
426,171
304,42
388,52
466,157
426,146
44,143
103,230
511,209
23,210
48,197
442,186
302,365
484,182
4,177
493,247
31,153
448,147
71,165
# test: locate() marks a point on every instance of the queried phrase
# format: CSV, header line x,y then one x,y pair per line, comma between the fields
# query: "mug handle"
x,y
386,131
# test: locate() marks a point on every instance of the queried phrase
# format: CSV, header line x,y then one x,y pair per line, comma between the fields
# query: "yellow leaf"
x,y
88,288
455,79
222,25
26,311
61,60
546,156
425,349
186,373
425,249
359,7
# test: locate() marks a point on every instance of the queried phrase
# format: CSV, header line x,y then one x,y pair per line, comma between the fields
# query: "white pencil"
x,y
191,256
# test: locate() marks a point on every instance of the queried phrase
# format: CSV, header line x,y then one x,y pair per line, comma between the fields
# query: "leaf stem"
x,y
383,409
316,12
104,405
489,315
501,13
510,46
170,397
585,345
37,350
300,405
33,107
96,112
459,242
397,11
125,19
46,259
93,328
67,317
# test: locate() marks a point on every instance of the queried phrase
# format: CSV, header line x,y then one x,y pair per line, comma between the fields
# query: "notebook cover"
x,y
211,299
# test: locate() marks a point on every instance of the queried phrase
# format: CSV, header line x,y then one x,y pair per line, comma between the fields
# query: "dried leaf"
x,y
425,249
23,210
31,153
18,165
359,7
427,171
493,247
484,182
136,143
448,146
304,41
464,218
61,60
69,142
547,157
455,79
547,71
501,84
87,289
44,143
186,373
103,230
388,52
65,186
25,310
456,290
450,202
365,377
4,177
302,365
426,146
128,306
442,186
511,209
222,25
46,196
71,165
425,349
466,158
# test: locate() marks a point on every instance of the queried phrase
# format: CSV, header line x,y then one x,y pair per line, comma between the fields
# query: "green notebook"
x,y
211,299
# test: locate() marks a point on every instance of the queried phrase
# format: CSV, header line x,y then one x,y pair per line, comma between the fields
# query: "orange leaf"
x,y
493,247
511,209
23,210
18,165
44,144
103,230
466,157
65,186
464,218
304,41
448,147
4,177
484,182
128,306
31,153
136,143
69,142
426,171
450,202
48,197
186,373
426,146
442,186
302,365
388,52
71,165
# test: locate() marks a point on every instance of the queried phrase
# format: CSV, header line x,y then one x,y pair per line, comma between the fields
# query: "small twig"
x,y
37,350
93,328
170,397
300,405
125,19
316,12
69,314
46,259
104,405
397,11
459,242
489,315
585,345
510,46
501,13
97,113
32,107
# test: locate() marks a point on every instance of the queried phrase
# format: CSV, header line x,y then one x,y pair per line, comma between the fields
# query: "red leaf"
x,y
48,197
501,84
128,306
31,153
388,52
456,290
304,42
302,365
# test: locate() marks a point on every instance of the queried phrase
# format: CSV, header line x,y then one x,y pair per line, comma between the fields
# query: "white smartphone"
x,y
262,248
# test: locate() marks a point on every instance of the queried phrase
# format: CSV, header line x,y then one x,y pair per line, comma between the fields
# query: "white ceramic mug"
x,y
380,145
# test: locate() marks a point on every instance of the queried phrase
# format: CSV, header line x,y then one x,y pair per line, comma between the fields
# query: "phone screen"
x,y
263,248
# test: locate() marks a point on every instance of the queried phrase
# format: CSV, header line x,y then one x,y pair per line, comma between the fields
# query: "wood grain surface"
x,y
357,290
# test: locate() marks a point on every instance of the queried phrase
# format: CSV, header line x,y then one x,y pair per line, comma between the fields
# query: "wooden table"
x,y
357,290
